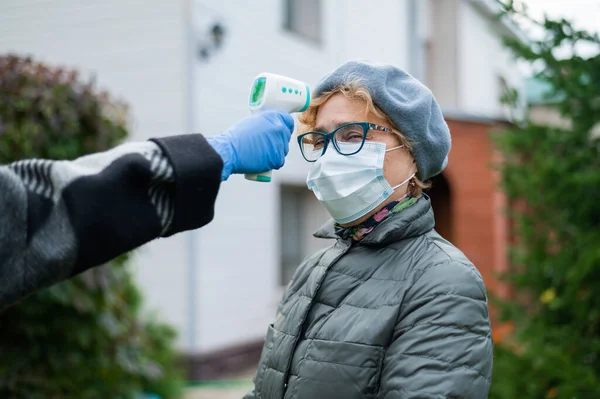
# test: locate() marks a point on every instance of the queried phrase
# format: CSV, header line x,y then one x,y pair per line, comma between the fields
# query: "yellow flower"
x,y
548,295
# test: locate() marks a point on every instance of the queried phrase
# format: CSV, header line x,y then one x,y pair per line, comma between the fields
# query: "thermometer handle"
x,y
264,177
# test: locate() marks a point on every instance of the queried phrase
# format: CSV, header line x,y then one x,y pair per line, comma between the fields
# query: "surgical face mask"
x,y
351,186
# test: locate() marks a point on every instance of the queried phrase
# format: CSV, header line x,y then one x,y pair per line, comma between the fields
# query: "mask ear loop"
x,y
412,182
405,181
393,148
409,181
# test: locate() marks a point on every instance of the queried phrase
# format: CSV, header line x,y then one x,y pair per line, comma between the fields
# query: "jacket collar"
x,y
413,221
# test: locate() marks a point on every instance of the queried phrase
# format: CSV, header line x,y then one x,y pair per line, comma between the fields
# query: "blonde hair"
x,y
354,90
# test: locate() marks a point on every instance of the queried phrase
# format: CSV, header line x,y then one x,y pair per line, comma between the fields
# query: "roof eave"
x,y
491,8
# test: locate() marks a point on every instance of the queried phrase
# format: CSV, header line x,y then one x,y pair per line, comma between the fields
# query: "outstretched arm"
x,y
60,218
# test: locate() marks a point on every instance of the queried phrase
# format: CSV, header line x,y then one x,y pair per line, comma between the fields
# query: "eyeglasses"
x,y
347,139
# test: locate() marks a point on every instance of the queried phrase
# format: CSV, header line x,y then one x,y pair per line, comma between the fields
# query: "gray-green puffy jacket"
x,y
402,314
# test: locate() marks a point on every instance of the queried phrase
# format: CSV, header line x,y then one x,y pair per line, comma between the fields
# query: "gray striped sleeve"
x,y
160,196
37,177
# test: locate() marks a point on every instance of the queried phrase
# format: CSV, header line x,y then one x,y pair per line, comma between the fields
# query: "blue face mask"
x,y
349,187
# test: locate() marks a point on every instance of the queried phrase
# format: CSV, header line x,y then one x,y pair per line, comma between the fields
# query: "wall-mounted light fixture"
x,y
212,41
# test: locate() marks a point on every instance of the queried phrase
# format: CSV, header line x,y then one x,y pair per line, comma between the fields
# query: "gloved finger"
x,y
286,147
279,163
280,157
288,120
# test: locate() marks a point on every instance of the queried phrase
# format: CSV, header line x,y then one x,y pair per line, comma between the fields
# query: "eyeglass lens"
x,y
313,144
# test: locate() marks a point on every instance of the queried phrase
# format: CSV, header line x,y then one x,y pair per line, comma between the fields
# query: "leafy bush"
x,y
83,338
552,177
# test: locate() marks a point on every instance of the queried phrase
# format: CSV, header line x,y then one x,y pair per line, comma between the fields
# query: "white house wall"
x,y
442,53
136,50
483,60
466,60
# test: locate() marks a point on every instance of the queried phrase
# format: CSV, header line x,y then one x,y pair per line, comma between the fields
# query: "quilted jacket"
x,y
401,314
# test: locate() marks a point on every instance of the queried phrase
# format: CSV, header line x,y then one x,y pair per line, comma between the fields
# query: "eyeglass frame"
x,y
328,137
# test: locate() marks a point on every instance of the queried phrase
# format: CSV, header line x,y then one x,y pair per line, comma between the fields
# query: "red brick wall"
x,y
479,228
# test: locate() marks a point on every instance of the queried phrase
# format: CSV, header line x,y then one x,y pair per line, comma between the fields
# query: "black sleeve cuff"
x,y
197,168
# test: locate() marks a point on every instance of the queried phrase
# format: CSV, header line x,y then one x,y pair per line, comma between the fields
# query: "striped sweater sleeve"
x,y
60,218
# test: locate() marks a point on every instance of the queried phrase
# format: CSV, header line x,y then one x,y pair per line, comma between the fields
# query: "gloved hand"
x,y
255,144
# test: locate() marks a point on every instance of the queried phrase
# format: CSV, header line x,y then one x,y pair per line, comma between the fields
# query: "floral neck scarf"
x,y
359,232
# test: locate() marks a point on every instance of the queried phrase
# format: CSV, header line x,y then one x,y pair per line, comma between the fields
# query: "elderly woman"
x,y
391,309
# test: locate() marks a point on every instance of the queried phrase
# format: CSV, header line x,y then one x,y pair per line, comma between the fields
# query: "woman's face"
x,y
398,164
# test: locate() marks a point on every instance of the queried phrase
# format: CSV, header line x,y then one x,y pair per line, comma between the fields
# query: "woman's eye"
x,y
354,136
350,136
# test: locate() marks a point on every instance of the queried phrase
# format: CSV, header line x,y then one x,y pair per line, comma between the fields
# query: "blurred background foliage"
x,y
551,175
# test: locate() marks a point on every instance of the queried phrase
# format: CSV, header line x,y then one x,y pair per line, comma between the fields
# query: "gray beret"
x,y
409,105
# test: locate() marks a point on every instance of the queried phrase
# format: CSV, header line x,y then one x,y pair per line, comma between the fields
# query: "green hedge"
x,y
551,176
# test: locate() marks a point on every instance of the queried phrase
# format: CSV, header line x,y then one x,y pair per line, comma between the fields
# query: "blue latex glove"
x,y
255,144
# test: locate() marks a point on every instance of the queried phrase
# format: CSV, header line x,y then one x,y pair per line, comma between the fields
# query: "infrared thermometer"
x,y
276,92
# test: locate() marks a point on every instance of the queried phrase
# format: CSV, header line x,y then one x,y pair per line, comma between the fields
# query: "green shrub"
x,y
552,177
84,338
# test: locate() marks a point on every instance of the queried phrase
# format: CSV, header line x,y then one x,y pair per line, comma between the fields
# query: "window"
x,y
303,17
301,215
291,228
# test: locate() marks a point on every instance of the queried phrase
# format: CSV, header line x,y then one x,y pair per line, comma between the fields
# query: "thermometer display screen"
x,y
258,91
